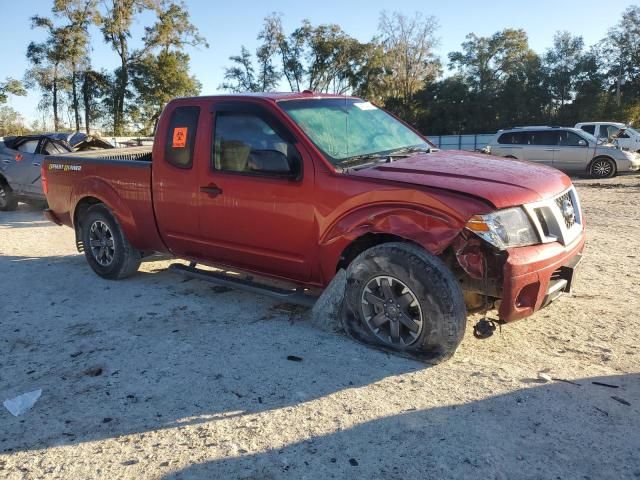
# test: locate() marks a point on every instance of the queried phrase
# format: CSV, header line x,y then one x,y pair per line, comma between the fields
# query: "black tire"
x,y
8,201
106,248
602,167
412,275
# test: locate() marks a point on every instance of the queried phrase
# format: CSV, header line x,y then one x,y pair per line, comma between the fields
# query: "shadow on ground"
x,y
26,216
115,358
552,431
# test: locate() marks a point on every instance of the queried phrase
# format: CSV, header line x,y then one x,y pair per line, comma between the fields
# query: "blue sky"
x,y
228,25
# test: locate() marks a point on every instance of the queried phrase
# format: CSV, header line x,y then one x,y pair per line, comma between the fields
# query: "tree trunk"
x,y
86,102
56,122
74,91
121,88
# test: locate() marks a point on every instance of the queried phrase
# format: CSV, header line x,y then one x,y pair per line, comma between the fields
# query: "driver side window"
x,y
246,143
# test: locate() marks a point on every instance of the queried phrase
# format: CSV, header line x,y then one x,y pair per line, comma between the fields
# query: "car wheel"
x,y
8,201
106,248
602,168
399,297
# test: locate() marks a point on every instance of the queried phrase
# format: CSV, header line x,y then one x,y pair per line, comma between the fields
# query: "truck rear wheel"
x,y
8,201
400,297
106,248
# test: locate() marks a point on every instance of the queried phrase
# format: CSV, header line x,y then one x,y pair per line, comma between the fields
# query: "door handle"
x,y
6,161
36,164
211,190
550,149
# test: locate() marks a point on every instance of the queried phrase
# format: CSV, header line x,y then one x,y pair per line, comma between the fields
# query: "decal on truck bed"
x,y
65,168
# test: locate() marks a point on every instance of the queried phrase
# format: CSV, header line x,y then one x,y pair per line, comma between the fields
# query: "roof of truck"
x,y
276,96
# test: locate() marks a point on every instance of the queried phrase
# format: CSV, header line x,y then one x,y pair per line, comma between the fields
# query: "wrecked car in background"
x,y
21,158
300,187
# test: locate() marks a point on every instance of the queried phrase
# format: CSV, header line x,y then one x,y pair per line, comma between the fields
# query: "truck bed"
x,y
119,178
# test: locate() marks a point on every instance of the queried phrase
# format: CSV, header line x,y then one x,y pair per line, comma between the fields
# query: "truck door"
x,y
176,150
256,193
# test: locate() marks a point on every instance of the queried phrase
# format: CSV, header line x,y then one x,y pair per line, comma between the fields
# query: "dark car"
x,y
21,157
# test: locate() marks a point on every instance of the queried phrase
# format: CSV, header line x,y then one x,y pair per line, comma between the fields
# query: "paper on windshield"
x,y
365,106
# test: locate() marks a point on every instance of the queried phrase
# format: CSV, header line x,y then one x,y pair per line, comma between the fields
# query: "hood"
x,y
500,181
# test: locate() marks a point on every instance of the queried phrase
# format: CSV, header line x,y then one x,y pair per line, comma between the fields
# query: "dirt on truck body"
x,y
296,187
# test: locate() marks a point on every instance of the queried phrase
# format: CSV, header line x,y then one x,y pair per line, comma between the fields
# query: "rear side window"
x,y
544,137
589,129
181,136
512,138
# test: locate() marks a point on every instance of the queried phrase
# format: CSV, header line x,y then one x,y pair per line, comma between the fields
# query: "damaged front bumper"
x,y
535,276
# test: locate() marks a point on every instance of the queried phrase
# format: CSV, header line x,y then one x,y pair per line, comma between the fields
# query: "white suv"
x,y
625,137
569,149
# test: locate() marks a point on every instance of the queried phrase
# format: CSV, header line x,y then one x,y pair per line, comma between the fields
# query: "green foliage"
x,y
11,122
157,79
11,87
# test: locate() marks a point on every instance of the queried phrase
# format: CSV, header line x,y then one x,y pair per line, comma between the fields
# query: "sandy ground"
x,y
158,377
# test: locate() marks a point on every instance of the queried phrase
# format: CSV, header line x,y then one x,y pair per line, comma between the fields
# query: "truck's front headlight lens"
x,y
504,228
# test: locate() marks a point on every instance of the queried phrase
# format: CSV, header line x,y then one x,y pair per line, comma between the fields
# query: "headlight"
x,y
504,228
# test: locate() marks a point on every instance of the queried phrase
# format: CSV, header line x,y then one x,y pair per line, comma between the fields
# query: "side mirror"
x,y
582,143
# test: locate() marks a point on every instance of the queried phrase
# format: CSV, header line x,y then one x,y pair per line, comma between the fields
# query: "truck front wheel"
x,y
402,298
106,248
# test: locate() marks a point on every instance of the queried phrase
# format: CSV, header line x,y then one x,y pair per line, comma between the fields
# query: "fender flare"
x,y
94,187
429,228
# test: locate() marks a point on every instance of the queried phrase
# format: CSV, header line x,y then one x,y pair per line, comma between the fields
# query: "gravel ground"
x,y
160,377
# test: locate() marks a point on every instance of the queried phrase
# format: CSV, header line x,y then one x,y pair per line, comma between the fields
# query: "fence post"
x,y
459,142
475,142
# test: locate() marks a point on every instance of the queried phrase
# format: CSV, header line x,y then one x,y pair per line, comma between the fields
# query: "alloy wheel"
x,y
391,311
602,168
101,243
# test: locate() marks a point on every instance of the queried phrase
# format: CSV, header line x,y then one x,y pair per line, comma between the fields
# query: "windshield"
x,y
632,131
344,128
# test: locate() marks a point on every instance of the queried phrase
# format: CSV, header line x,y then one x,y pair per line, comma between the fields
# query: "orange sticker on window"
x,y
179,137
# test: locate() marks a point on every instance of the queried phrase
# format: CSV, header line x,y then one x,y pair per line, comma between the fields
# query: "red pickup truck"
x,y
295,187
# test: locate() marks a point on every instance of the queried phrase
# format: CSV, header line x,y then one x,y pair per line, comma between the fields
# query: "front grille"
x,y
557,219
567,209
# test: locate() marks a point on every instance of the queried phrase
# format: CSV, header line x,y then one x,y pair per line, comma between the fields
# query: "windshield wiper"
x,y
376,158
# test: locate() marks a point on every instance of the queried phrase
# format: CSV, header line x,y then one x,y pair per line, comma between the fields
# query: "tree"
x,y
95,85
115,25
241,76
11,87
487,61
11,122
172,30
321,58
561,63
79,14
156,80
621,55
409,59
47,60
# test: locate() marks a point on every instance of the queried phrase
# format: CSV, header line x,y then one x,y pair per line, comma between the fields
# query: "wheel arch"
x,y
369,226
